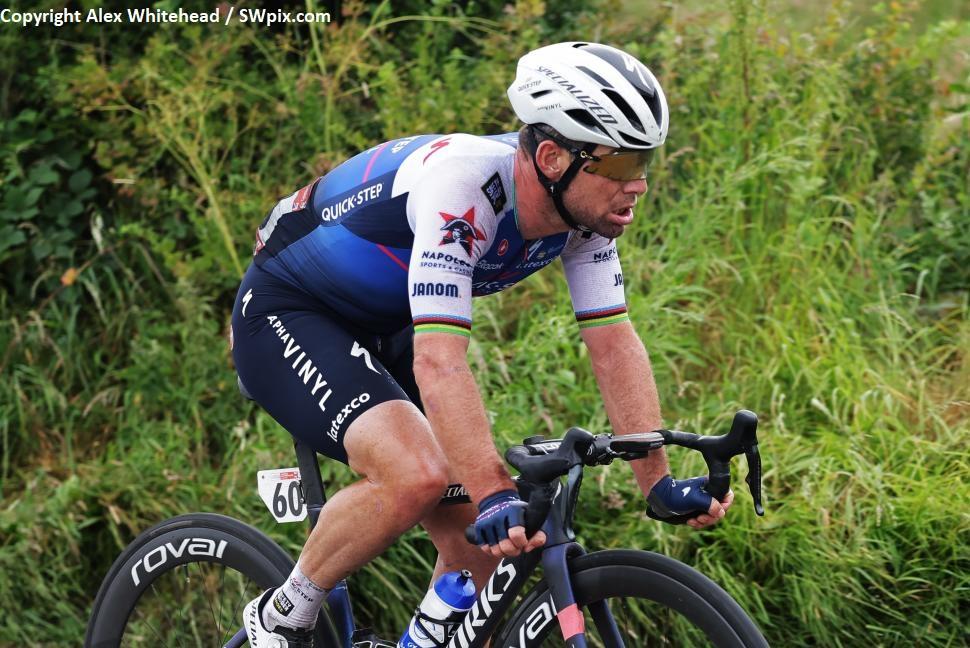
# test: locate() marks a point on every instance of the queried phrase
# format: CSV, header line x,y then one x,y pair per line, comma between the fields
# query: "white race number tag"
x,y
280,491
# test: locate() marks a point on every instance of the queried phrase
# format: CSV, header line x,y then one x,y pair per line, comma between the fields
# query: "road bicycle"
x,y
185,581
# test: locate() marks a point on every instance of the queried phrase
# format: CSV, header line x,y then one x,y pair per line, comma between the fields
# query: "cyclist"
x,y
352,324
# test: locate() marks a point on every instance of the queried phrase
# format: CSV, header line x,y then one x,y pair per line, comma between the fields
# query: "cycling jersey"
x,y
401,236
412,229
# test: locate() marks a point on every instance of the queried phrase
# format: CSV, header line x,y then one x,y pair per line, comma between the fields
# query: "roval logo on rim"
x,y
163,553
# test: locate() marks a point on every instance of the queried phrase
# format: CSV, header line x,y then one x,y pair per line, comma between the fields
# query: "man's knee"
x,y
393,446
421,480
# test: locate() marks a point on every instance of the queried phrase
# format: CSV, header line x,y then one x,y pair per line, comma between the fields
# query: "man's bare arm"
x,y
625,378
623,372
454,407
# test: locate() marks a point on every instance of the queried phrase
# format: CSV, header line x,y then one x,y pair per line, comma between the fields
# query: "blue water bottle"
x,y
452,595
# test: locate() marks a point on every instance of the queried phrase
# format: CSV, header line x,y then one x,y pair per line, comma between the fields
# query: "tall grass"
x,y
804,252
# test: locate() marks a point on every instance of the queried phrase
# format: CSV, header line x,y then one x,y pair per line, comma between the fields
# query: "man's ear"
x,y
552,159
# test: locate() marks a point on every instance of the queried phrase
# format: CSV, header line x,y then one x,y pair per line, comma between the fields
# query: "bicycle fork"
x,y
555,565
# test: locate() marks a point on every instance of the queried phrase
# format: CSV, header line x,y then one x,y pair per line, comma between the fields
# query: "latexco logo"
x,y
345,413
163,553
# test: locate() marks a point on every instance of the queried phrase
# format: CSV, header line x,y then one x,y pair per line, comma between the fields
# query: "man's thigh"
x,y
308,371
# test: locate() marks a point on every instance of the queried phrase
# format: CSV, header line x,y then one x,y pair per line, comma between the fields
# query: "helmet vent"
x,y
540,93
600,80
625,109
584,118
633,141
653,102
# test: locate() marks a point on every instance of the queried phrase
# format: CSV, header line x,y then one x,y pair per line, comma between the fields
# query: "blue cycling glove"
x,y
672,497
498,513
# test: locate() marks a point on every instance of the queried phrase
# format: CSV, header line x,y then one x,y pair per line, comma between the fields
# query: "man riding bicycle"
x,y
351,326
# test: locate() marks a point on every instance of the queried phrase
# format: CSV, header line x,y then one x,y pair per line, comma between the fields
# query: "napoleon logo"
x,y
608,255
461,230
495,192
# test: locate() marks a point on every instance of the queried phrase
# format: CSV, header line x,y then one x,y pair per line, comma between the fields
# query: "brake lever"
x,y
717,453
753,478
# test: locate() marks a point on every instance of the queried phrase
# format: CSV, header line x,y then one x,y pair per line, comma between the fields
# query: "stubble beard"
x,y
597,224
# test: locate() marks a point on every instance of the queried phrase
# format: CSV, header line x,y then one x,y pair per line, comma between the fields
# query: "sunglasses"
x,y
621,165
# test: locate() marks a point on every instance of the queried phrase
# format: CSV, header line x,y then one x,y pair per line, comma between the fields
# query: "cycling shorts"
x,y
311,371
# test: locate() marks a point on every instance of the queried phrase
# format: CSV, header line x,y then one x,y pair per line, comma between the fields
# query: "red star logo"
x,y
461,229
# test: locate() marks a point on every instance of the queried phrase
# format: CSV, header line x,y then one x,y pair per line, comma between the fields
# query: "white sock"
x,y
295,603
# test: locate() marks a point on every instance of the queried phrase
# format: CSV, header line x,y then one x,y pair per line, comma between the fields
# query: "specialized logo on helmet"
x,y
593,106
461,230
631,69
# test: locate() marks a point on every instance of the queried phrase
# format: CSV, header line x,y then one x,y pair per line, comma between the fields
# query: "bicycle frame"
x,y
503,587
555,504
506,583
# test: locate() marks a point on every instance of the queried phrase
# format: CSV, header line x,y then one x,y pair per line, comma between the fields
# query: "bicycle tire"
x,y
200,539
701,605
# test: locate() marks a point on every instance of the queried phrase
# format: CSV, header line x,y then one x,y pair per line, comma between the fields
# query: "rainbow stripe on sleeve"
x,y
602,316
443,324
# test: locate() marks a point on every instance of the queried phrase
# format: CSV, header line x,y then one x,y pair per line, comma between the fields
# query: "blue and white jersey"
x,y
412,229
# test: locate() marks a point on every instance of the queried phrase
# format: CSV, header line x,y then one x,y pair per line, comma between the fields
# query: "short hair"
x,y
531,135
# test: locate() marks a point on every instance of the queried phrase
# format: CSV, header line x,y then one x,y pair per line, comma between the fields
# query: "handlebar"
x,y
718,452
541,462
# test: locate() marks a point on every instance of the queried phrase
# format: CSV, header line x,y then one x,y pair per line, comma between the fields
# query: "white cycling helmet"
x,y
591,93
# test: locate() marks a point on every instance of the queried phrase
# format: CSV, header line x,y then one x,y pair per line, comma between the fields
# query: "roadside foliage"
x,y
803,251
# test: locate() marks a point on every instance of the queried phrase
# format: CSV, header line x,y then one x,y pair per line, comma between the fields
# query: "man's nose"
x,y
638,186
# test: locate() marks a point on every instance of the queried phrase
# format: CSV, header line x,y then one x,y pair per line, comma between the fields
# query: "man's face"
x,y
601,204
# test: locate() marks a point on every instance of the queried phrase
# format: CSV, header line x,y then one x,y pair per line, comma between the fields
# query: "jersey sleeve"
x,y
453,225
595,280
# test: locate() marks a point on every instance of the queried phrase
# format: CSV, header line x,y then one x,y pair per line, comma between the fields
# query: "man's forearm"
x,y
625,378
455,410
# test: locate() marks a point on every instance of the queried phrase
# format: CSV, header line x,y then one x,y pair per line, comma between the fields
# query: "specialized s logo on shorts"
x,y
360,352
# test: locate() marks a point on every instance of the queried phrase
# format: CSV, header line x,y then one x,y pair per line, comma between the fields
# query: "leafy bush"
x,y
803,251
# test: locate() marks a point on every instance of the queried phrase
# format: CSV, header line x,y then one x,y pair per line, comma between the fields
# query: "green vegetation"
x,y
804,252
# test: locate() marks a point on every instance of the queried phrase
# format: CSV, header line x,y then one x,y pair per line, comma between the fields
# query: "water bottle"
x,y
452,595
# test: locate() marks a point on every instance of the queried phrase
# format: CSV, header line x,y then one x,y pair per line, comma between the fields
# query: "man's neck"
x,y
536,212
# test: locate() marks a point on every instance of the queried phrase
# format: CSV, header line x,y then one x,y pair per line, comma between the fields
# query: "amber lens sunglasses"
x,y
622,165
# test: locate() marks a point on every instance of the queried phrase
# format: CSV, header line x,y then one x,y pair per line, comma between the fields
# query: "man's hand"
x,y
714,513
499,527
669,498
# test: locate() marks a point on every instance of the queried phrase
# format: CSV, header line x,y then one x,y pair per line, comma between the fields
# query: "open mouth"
x,y
623,216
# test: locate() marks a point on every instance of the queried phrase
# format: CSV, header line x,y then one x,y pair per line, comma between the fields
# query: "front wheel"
x,y
654,600
184,582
